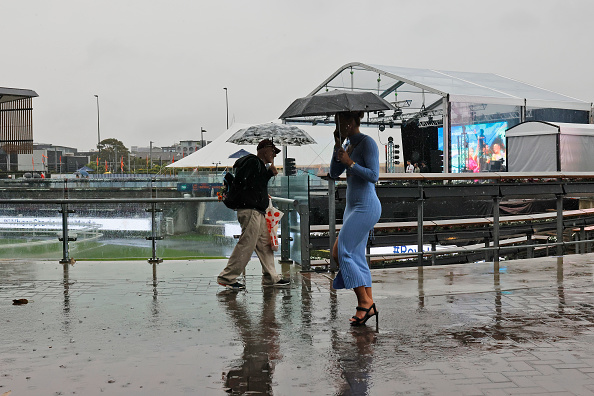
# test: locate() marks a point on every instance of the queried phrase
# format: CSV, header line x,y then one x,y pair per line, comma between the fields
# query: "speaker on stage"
x,y
436,161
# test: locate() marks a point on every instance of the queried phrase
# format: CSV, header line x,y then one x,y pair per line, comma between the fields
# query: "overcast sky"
x,y
159,67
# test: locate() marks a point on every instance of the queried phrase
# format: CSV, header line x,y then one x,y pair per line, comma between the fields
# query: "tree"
x,y
111,150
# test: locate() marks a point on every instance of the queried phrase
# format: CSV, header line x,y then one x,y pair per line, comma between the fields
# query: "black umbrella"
x,y
337,101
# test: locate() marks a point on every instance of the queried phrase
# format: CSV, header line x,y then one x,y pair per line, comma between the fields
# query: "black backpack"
x,y
229,191
236,192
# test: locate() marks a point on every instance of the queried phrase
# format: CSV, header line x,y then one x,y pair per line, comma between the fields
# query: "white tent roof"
x,y
218,151
532,128
307,156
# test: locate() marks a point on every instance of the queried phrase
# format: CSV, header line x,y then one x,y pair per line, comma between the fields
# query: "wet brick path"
x,y
126,328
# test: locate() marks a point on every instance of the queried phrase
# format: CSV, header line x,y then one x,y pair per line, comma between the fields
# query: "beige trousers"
x,y
254,236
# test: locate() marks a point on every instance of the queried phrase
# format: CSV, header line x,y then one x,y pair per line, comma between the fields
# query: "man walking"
x,y
251,180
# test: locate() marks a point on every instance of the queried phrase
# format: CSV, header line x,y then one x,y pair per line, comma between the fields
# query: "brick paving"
x,y
525,327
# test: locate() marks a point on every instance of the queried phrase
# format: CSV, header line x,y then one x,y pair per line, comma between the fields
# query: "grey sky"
x,y
159,67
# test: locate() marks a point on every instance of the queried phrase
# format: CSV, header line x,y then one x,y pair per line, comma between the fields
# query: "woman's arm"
x,y
371,159
336,167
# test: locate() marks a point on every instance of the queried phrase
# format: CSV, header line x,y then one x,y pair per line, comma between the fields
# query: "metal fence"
x,y
423,188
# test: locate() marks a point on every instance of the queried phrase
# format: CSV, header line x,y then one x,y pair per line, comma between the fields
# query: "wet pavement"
x,y
128,328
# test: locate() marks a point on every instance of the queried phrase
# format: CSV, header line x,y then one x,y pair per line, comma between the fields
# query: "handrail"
x,y
60,201
479,176
507,184
466,221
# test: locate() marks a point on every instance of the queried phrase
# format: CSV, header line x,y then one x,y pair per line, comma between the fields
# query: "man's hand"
x,y
273,169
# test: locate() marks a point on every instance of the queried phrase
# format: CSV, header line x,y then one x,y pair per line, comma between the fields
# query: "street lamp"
x,y
98,135
202,130
227,105
151,156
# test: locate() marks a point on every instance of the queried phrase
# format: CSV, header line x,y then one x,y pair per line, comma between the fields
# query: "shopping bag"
x,y
273,217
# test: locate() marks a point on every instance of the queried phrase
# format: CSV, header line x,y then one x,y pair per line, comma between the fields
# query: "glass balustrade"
x,y
192,224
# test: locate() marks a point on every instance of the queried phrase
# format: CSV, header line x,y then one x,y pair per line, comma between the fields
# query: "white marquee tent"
x,y
314,158
538,146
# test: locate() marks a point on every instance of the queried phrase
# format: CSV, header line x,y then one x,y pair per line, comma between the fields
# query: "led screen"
x,y
476,148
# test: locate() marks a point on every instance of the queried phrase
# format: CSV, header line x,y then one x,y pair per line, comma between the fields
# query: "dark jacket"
x,y
251,181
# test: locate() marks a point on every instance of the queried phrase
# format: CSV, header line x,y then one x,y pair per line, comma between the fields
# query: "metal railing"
x,y
495,186
65,208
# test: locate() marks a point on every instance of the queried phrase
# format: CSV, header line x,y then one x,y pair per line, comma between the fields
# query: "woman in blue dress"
x,y
360,158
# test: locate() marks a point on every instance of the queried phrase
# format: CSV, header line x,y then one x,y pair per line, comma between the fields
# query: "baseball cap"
x,y
267,143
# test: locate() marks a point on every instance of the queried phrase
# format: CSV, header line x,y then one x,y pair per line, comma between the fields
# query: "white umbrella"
x,y
280,134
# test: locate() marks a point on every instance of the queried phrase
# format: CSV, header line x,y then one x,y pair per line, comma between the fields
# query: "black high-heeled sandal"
x,y
361,321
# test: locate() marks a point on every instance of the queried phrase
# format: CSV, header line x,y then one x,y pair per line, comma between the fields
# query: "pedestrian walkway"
x,y
131,328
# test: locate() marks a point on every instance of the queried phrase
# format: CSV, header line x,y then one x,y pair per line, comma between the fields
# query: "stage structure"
x,y
16,125
463,115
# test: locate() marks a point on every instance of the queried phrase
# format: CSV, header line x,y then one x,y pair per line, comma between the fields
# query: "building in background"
x,y
16,126
167,153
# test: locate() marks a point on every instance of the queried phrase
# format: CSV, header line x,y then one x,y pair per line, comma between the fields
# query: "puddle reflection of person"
x,y
355,360
260,338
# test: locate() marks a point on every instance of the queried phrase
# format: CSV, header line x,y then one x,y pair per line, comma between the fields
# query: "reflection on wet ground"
x,y
125,328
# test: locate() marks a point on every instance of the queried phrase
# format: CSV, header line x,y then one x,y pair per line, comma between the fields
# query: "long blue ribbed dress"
x,y
362,212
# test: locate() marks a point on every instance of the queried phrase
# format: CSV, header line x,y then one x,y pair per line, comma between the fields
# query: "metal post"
x,y
227,106
332,221
447,126
153,238
304,229
496,201
285,246
151,157
420,210
98,130
530,250
583,238
64,239
560,224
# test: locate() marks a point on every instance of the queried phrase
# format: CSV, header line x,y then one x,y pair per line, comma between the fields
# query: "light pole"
x,y
227,106
151,156
216,164
98,130
202,130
